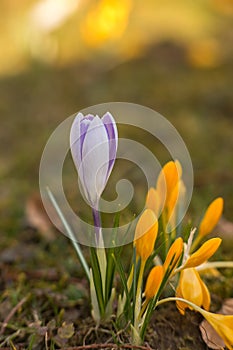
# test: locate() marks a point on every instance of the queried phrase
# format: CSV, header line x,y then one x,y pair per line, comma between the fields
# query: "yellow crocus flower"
x,y
203,253
192,288
154,281
211,217
146,234
174,254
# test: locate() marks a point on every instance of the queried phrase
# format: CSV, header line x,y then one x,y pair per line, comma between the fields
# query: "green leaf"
x,y
94,300
147,317
135,277
109,307
124,301
135,336
109,274
120,269
101,256
97,280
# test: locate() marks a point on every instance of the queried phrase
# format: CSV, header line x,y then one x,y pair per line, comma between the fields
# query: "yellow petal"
x,y
173,199
205,295
173,204
223,324
167,180
146,234
179,304
211,217
177,196
190,286
174,254
153,282
153,202
204,252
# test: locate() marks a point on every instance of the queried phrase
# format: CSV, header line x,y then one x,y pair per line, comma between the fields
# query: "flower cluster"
x,y
160,254
179,258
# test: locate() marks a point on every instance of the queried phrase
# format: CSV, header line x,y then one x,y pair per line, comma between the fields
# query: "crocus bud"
x,y
203,253
174,254
146,234
154,281
93,143
211,217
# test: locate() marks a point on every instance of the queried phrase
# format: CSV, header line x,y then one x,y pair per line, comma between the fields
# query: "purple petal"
x,y
77,135
111,129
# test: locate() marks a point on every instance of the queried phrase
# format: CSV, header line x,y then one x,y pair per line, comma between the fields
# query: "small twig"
x,y
13,311
188,246
110,345
88,333
46,341
10,337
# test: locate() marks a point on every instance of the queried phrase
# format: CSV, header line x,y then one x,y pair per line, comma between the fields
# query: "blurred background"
x,y
60,56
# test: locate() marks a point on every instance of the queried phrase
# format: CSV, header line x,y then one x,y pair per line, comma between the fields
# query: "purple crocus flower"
x,y
93,143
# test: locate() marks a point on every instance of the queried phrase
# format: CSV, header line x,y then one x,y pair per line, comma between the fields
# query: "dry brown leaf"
x,y
37,217
209,335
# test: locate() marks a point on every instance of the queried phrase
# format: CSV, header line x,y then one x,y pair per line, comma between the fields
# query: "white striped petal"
x,y
77,135
95,160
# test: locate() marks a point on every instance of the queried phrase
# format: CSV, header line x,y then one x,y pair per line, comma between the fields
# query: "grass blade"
x,y
70,234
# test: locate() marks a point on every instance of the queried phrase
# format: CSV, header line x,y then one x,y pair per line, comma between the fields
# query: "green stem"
x,y
194,306
164,221
101,255
215,264
138,295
